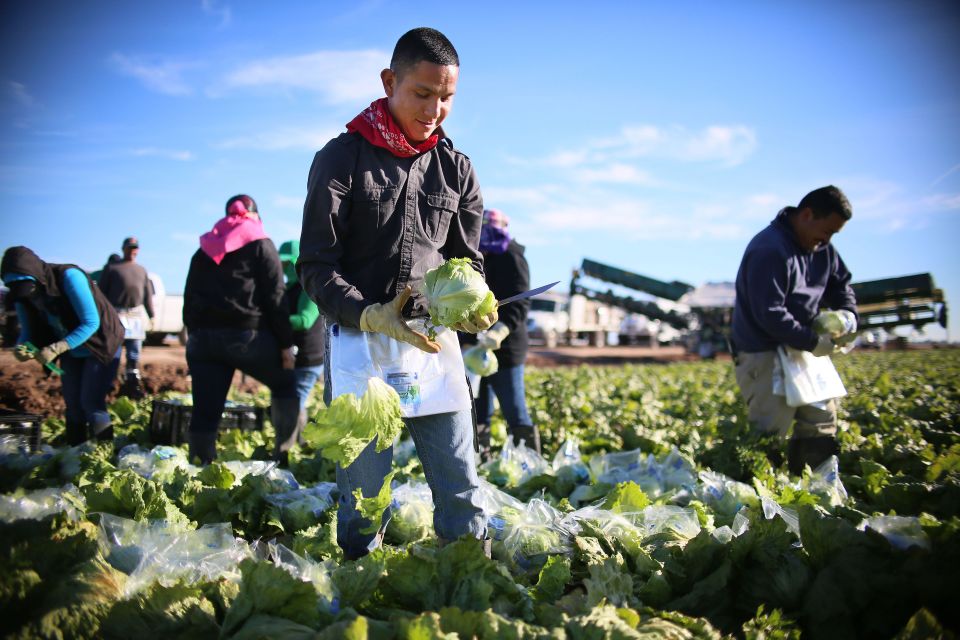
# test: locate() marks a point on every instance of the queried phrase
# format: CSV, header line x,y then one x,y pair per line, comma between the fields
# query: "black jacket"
x,y
245,291
108,337
508,274
374,223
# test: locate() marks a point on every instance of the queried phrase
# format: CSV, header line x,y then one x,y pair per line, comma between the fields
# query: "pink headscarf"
x,y
238,229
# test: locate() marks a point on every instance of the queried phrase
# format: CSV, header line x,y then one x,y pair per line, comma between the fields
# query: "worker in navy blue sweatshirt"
x,y
66,317
789,271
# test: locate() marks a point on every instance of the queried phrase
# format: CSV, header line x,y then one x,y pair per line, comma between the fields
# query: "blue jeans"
x,y
508,385
214,354
445,447
133,353
306,378
85,384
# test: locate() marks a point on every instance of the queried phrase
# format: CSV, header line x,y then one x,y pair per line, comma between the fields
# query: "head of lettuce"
x,y
458,297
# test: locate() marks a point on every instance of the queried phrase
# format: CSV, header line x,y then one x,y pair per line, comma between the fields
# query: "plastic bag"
x,y
825,482
659,519
411,513
500,508
725,495
242,468
568,464
535,535
158,463
902,532
301,508
772,509
613,525
515,465
36,505
307,570
807,378
655,477
156,551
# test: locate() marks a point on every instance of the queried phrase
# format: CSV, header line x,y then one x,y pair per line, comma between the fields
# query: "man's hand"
x,y
50,352
477,323
23,353
825,346
388,320
494,336
288,357
849,322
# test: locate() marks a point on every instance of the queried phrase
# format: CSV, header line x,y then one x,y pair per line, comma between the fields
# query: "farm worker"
x,y
308,330
233,310
128,288
71,324
789,271
388,200
507,273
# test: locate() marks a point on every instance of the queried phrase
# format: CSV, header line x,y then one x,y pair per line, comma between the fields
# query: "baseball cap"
x,y
289,251
130,243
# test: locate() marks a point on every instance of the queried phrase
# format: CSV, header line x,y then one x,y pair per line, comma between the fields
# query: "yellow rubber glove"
x,y
50,352
388,319
477,323
494,336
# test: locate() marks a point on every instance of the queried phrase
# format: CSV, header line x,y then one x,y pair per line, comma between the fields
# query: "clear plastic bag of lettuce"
x,y
157,551
824,482
36,505
307,570
301,509
159,463
567,463
537,533
725,495
667,522
411,513
500,508
655,477
514,465
902,532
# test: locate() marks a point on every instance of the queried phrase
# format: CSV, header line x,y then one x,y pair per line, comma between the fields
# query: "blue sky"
x,y
657,137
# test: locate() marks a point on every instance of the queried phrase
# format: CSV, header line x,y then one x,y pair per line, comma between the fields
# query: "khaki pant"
x,y
770,413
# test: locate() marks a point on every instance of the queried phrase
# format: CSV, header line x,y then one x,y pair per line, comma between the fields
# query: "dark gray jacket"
x,y
374,223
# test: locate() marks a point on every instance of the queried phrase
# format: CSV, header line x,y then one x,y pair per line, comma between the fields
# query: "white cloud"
x,y
217,10
304,138
170,154
19,92
943,201
163,76
729,145
338,76
616,173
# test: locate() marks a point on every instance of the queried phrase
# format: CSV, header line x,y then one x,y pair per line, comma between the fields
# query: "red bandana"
x,y
379,128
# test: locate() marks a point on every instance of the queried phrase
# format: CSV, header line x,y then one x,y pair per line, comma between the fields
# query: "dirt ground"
x,y
25,387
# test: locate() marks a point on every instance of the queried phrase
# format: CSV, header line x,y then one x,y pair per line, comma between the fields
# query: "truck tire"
x,y
154,339
598,339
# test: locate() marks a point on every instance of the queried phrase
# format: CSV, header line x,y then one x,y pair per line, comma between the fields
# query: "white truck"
x,y
167,314
557,318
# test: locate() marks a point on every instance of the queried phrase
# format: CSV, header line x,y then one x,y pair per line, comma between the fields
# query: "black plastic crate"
x,y
22,427
170,420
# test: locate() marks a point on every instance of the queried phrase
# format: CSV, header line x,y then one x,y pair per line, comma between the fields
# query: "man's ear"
x,y
389,80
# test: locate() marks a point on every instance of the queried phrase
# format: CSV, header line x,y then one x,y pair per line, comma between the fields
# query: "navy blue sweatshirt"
x,y
781,287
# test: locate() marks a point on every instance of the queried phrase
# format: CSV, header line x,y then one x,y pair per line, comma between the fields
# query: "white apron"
x,y
134,321
427,383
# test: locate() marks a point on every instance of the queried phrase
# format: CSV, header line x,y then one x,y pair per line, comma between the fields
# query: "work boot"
x,y
76,432
812,452
284,413
529,434
102,428
483,443
203,445
132,386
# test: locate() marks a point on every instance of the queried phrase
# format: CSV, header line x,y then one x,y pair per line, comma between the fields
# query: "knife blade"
x,y
528,294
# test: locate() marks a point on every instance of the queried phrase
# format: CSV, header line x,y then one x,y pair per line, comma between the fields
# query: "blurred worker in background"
x,y
789,271
65,318
386,201
507,274
233,310
127,287
308,330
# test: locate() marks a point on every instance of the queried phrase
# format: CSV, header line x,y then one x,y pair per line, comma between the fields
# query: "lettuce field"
x,y
654,513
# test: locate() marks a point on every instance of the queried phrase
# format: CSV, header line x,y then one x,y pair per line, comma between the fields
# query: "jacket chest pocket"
x,y
373,208
435,217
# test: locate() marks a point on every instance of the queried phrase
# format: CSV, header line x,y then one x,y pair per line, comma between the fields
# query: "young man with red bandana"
x,y
388,200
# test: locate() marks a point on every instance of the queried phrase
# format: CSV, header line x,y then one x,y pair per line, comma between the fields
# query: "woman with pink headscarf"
x,y
235,318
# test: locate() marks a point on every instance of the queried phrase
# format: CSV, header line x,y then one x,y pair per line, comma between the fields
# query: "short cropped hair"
x,y
422,43
249,203
827,200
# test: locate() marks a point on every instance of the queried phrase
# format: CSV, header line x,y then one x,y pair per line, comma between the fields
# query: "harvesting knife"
x,y
527,294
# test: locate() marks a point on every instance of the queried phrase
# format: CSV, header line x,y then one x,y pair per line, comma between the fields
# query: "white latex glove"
x,y
493,337
849,321
50,352
825,346
388,320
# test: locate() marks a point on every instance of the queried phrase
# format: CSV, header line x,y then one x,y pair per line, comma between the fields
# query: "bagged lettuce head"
x,y
455,292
